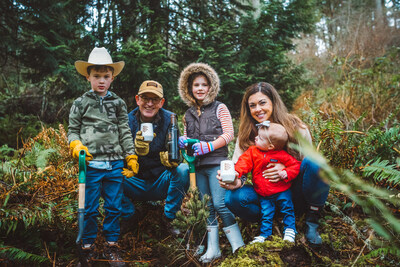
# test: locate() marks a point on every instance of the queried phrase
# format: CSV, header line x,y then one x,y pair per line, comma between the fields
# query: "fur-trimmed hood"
x,y
183,87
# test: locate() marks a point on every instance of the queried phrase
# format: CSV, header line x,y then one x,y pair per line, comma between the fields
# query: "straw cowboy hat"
x,y
99,56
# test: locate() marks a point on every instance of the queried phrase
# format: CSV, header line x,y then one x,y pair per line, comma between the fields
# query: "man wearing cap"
x,y
157,179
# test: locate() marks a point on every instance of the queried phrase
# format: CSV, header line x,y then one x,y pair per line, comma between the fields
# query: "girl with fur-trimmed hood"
x,y
209,121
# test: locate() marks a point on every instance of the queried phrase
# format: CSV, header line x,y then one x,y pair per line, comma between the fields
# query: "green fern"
x,y
379,253
17,255
382,170
5,152
11,218
38,157
42,158
374,201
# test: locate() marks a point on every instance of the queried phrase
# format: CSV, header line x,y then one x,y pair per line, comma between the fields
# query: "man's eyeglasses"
x,y
155,100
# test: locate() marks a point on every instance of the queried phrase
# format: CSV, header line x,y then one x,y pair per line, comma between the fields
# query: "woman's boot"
x,y
312,222
213,252
234,236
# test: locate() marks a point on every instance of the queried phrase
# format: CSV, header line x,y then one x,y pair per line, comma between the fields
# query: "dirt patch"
x,y
295,256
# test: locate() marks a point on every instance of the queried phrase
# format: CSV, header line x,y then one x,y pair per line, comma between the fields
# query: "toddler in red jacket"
x,y
269,147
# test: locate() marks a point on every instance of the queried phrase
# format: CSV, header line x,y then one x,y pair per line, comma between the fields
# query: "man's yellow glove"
x,y
166,162
133,166
141,146
76,146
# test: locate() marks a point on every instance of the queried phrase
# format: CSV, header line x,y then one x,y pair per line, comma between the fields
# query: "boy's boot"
x,y
86,255
112,254
234,236
312,222
213,251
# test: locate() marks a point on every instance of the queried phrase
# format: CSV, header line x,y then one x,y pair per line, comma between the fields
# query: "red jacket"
x,y
254,160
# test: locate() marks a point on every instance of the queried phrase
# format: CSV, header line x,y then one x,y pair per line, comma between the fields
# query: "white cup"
x,y
147,131
228,172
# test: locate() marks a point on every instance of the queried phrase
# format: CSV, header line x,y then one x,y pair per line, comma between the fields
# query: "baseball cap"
x,y
151,87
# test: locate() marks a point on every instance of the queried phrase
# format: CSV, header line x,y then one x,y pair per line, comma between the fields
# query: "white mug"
x,y
147,131
228,172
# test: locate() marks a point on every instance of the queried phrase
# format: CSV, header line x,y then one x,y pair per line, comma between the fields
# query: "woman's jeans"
x,y
207,182
307,189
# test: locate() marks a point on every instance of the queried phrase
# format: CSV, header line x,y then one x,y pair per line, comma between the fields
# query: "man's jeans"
x,y
171,186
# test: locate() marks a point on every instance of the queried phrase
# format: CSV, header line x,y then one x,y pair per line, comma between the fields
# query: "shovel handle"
x,y
81,194
192,180
82,179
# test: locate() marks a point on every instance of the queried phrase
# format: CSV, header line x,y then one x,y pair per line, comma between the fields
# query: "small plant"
x,y
192,219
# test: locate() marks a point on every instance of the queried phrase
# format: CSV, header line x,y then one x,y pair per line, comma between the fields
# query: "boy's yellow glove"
x,y
76,146
165,161
133,166
141,146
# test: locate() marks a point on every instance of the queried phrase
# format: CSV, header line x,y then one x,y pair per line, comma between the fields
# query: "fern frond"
x,y
18,255
382,170
42,158
380,252
27,216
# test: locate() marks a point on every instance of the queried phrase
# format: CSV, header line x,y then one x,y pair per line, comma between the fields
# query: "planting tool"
x,y
190,158
81,193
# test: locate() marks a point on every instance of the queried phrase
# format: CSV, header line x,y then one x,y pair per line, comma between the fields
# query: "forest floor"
x,y
346,242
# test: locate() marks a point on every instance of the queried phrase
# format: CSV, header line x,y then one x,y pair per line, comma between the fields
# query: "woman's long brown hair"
x,y
247,128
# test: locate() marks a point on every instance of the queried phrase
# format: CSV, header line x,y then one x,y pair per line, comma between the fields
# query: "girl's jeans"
x,y
208,184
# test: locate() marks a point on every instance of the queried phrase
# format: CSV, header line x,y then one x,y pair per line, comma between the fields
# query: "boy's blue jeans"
x,y
307,189
282,202
171,186
108,185
207,182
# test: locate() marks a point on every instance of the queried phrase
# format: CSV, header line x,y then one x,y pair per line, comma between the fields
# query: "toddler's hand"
x,y
202,148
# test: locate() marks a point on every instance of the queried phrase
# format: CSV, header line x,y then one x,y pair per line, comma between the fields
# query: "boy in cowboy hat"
x,y
98,124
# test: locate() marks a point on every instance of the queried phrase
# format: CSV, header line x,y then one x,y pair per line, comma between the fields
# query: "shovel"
x,y
190,158
81,194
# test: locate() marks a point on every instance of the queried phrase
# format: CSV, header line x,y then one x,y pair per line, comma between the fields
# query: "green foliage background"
x,y
156,39
349,99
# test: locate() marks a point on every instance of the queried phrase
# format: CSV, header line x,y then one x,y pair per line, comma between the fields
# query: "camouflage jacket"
x,y
101,124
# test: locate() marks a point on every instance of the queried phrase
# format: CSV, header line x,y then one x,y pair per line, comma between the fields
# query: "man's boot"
x,y
112,254
312,222
172,230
